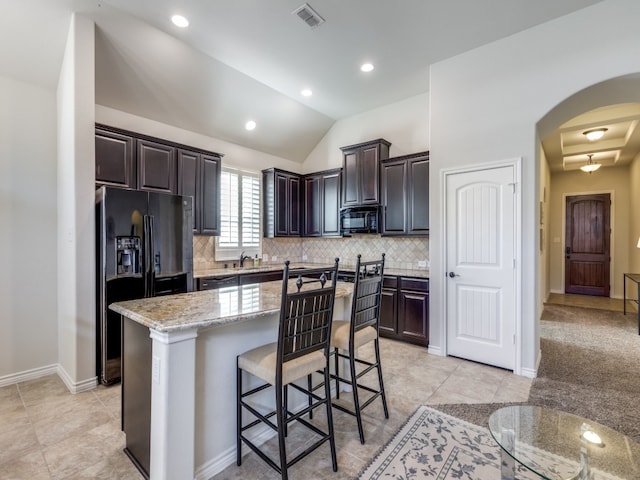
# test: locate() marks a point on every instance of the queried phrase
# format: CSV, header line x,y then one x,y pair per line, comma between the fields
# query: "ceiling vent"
x,y
309,16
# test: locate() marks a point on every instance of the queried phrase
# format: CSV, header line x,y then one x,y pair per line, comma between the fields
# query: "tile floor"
x,y
48,433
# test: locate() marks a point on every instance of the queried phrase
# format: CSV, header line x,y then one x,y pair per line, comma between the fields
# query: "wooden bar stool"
x,y
306,316
348,336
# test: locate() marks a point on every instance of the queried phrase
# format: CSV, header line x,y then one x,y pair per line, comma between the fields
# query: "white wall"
x,y
405,124
544,196
485,105
634,217
28,225
234,155
76,204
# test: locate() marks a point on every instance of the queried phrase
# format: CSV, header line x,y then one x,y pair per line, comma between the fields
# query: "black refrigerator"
x,y
144,248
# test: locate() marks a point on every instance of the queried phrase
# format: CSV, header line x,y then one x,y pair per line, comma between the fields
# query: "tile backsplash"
x,y
402,252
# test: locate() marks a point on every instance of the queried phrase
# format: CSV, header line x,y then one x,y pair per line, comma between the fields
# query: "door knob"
x,y
452,274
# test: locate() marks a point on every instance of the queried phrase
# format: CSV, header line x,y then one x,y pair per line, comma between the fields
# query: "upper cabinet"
x,y
322,204
138,162
199,177
282,203
115,159
405,195
361,166
157,167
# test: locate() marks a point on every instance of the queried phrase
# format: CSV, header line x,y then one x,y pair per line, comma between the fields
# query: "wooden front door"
x,y
587,256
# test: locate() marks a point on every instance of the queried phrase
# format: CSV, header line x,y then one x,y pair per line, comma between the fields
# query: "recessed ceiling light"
x,y
306,92
250,125
180,21
366,67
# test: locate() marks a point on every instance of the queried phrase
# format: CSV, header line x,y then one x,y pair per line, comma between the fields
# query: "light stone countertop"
x,y
225,272
209,308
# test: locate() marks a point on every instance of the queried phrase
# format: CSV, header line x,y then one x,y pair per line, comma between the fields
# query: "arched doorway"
x,y
615,105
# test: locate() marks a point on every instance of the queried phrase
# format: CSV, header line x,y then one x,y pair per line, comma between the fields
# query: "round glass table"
x,y
555,445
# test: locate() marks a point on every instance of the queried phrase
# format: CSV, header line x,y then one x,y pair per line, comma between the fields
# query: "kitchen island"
x,y
179,373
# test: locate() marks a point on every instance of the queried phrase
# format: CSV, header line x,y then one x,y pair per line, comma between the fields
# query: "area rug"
x,y
434,445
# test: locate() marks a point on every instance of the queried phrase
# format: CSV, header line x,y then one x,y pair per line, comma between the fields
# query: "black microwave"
x,y
363,219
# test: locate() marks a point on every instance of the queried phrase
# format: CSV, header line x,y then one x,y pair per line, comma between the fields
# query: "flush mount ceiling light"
x,y
250,125
366,67
594,134
590,167
306,92
180,21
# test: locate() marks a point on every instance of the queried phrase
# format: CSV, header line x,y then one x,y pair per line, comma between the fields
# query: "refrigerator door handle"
x,y
149,272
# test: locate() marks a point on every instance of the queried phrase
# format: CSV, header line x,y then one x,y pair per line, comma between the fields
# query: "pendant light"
x,y
590,167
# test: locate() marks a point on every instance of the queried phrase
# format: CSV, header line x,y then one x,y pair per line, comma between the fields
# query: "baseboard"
x,y
28,375
435,350
76,387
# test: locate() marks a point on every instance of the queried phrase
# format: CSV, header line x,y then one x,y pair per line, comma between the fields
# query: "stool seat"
x,y
341,331
262,362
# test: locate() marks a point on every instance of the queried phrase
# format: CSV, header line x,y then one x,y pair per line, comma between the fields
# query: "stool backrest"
x,y
306,311
367,292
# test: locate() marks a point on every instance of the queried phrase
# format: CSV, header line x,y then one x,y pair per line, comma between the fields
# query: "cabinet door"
x,y
115,164
281,205
157,169
210,206
330,193
388,309
369,174
312,206
295,206
189,182
394,198
418,197
413,311
351,179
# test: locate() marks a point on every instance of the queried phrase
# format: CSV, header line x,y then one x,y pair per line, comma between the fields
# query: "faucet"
x,y
243,257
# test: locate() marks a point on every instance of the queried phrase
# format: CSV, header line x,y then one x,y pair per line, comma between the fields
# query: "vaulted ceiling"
x,y
249,59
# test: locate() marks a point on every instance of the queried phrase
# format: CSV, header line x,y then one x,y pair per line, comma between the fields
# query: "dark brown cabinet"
x,y
404,185
199,177
130,160
322,204
404,309
157,167
282,203
360,167
115,159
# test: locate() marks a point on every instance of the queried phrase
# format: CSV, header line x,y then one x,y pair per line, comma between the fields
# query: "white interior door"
x,y
480,265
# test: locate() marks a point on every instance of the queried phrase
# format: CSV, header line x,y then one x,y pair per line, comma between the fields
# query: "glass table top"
x,y
555,445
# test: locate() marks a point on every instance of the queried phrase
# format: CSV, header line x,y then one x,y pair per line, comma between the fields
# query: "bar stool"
x,y
306,316
348,336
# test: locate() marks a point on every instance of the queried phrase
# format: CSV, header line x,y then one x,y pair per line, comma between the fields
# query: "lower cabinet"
x,y
404,309
212,283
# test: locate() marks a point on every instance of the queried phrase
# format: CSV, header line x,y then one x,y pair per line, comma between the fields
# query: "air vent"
x,y
309,16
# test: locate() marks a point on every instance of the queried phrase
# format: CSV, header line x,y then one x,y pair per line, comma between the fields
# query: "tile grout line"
x,y
33,428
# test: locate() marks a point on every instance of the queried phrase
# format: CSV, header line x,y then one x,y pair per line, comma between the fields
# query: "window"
x,y
239,215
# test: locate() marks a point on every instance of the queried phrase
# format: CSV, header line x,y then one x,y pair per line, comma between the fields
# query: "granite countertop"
x,y
225,272
209,308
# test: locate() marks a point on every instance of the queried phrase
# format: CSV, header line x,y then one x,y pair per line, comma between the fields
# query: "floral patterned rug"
x,y
434,445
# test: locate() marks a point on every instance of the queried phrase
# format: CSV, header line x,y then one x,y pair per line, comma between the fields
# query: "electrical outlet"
x,y
422,264
274,258
304,258
265,257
